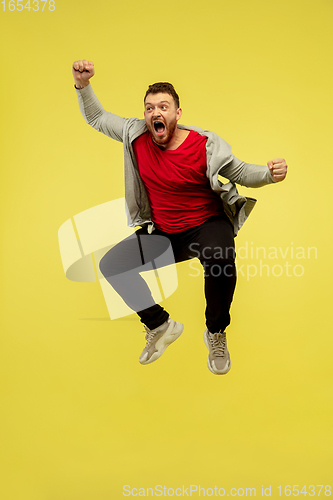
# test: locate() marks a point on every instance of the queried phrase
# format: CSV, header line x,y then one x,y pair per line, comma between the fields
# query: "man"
x,y
173,193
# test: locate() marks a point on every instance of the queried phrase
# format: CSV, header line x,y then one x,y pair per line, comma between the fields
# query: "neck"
x,y
176,140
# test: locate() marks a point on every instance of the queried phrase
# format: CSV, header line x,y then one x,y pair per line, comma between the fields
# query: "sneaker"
x,y
159,339
218,359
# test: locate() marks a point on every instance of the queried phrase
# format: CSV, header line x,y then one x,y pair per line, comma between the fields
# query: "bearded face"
x,y
161,116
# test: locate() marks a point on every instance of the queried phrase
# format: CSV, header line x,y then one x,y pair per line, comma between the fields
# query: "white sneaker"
x,y
159,339
218,358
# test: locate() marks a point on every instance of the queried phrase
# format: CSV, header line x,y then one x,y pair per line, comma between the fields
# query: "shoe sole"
x,y
208,363
165,341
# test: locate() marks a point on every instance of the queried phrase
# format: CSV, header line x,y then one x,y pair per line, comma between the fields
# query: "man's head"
x,y
162,112
163,88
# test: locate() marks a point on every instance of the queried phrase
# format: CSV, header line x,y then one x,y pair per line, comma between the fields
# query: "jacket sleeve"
x,y
247,174
96,116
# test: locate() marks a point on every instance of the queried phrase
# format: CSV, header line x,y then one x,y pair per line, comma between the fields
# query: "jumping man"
x,y
173,194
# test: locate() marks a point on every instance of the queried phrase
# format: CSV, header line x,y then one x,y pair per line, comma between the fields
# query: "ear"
x,y
179,114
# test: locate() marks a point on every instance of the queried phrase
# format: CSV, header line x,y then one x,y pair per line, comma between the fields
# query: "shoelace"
x,y
218,343
150,334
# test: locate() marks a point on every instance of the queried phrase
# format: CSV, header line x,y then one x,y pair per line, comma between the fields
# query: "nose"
x,y
156,112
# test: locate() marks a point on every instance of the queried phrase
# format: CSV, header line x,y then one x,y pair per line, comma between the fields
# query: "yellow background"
x,y
80,416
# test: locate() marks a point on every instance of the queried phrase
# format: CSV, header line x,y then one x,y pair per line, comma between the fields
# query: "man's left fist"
x,y
278,169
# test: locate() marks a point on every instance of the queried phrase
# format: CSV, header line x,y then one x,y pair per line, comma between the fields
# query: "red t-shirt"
x,y
177,187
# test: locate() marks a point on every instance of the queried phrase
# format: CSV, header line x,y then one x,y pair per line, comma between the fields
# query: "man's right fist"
x,y
82,72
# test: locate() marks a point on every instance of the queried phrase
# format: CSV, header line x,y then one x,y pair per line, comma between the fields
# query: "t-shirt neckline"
x,y
172,150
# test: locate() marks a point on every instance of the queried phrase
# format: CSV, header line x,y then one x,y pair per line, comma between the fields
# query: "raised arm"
x,y
90,107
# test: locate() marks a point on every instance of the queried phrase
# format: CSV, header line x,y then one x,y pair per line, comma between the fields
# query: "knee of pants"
x,y
102,266
112,269
219,257
217,268
106,267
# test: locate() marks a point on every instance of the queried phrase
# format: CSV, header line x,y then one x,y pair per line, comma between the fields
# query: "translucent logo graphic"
x,y
142,273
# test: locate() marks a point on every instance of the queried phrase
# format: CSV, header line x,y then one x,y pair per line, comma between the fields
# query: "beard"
x,y
169,130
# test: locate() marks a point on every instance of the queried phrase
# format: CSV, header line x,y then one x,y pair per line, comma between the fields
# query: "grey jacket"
x,y
220,161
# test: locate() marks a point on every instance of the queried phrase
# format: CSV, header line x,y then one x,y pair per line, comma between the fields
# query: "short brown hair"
x,y
164,87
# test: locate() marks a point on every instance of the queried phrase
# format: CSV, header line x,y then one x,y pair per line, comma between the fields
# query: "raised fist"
x,y
82,72
278,169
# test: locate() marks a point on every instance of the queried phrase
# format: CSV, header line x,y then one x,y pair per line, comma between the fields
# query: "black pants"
x,y
211,242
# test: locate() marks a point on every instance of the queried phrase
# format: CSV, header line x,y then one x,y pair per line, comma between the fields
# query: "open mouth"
x,y
159,127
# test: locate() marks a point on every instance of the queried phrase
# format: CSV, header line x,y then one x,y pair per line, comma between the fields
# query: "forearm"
x,y
247,174
96,116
